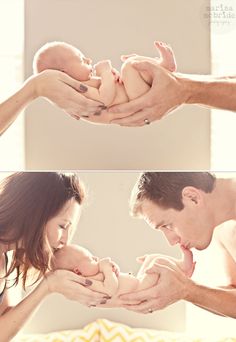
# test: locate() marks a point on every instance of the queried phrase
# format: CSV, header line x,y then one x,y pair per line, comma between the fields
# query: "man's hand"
x,y
165,95
172,286
167,91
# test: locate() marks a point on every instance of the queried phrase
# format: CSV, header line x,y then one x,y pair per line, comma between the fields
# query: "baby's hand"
x,y
107,262
103,66
116,75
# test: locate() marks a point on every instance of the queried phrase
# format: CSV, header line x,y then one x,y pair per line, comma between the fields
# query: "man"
x,y
187,207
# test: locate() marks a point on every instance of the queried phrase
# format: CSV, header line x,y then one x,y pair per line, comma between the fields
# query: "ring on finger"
x,y
146,121
150,311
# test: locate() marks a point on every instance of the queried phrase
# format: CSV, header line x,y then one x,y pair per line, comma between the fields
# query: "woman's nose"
x,y
65,237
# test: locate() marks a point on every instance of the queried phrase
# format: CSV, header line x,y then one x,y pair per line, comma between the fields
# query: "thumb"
x,y
148,66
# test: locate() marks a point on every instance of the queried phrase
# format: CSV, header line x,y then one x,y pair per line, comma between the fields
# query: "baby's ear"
x,y
76,270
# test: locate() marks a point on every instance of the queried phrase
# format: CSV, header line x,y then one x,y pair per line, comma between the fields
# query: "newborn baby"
x,y
103,81
101,271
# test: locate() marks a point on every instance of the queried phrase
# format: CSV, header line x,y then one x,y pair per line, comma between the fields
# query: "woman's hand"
x,y
65,92
74,287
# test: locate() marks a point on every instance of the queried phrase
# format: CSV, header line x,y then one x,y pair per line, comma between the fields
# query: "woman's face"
x,y
61,227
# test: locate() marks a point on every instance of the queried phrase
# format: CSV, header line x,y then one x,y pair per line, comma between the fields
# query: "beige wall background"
x,y
107,29
107,229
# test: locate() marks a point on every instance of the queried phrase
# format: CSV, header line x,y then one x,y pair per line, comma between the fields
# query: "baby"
x,y
103,81
101,271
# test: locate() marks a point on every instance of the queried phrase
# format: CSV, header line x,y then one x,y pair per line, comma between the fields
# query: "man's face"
x,y
190,227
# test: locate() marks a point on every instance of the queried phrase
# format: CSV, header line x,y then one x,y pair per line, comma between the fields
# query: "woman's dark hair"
x,y
165,188
28,200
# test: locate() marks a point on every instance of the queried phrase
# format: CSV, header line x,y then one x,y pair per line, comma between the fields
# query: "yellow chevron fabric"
x,y
103,330
117,332
90,333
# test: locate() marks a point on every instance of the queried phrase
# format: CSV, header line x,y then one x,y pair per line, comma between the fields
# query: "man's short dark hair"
x,y
165,188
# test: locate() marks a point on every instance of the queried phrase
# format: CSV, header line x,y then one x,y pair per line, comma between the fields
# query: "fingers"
x,y
147,66
145,307
141,259
140,296
134,120
125,57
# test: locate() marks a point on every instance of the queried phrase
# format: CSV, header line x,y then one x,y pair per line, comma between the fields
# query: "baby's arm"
x,y
103,88
107,89
111,282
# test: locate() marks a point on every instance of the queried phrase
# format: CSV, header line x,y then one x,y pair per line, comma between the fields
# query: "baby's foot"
x,y
167,59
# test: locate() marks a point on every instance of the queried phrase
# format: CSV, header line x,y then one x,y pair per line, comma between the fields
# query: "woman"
x,y
39,212
57,87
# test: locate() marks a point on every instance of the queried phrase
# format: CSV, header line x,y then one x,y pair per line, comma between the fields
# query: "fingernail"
x,y
82,88
97,113
88,282
103,302
103,107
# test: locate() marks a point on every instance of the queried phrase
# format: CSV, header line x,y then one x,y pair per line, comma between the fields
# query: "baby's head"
x,y
77,259
63,57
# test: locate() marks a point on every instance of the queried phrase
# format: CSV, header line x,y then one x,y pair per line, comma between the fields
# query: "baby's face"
x,y
79,67
85,263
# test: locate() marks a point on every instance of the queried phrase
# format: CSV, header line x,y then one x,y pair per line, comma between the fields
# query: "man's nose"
x,y
172,238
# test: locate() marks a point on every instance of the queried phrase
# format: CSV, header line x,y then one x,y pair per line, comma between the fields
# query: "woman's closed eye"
x,y
62,227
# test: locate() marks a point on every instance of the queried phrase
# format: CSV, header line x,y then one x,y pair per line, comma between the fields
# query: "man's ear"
x,y
191,195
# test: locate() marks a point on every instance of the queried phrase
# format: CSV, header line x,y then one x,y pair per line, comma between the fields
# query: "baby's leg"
x,y
167,59
133,81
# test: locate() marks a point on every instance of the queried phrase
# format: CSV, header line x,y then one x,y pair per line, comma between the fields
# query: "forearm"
x,y
220,300
10,108
14,318
212,91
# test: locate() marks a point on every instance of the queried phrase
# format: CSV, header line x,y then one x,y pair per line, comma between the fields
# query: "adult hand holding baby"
x,y
173,284
65,92
73,287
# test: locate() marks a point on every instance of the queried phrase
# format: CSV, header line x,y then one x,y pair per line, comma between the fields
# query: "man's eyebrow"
x,y
159,224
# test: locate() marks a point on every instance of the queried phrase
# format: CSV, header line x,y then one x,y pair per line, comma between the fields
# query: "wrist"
x,y
32,87
48,283
190,290
193,88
